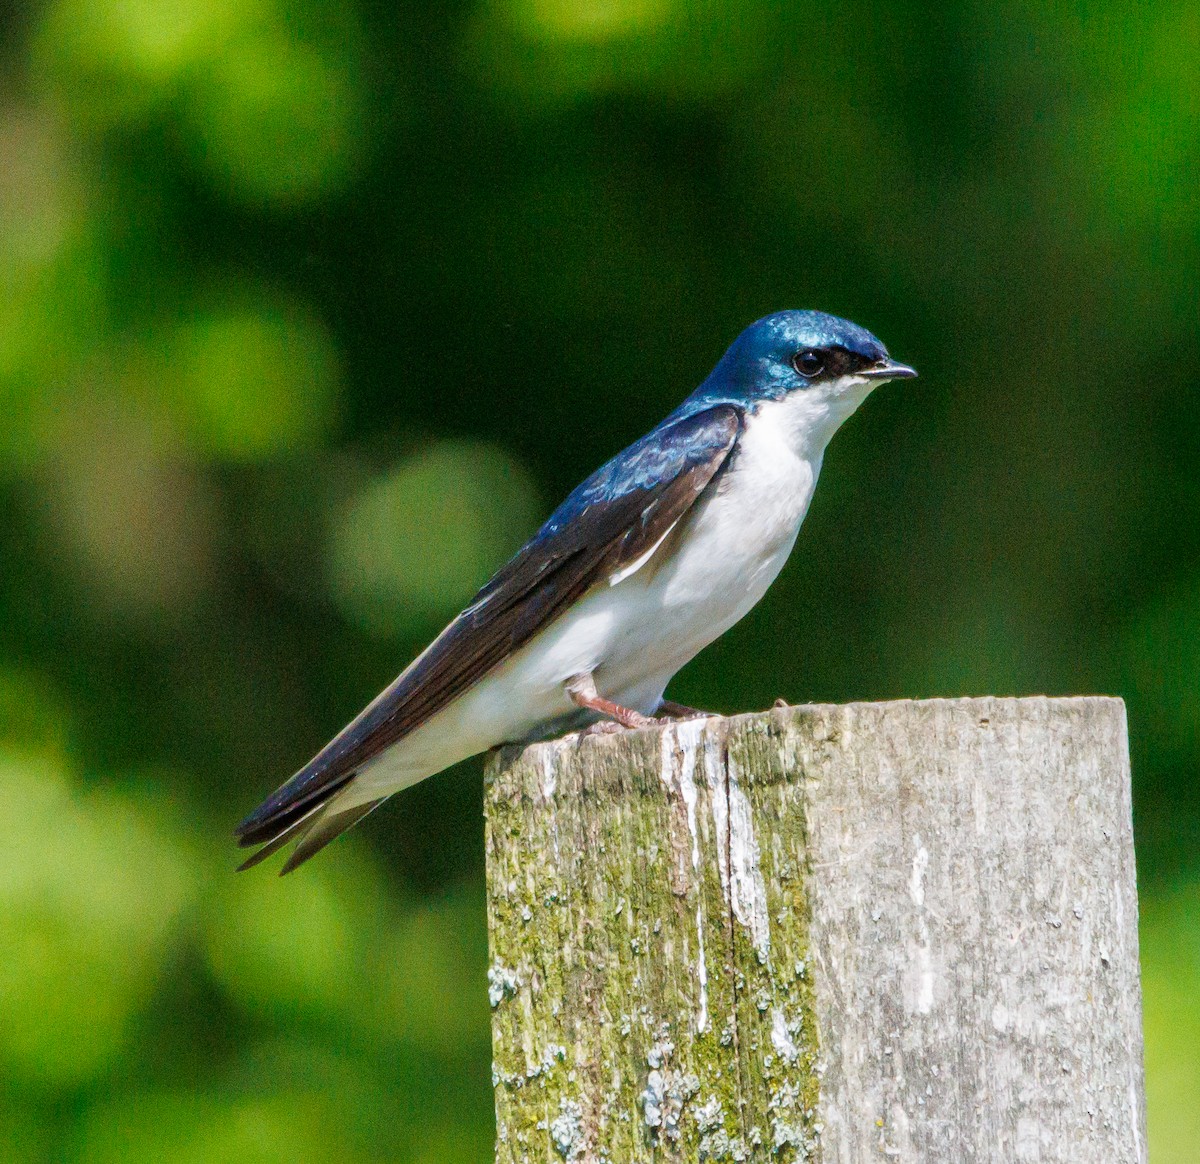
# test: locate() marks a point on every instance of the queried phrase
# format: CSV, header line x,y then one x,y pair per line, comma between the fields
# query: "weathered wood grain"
x,y
900,931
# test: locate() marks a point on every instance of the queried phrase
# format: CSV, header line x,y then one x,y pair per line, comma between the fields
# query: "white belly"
x,y
634,635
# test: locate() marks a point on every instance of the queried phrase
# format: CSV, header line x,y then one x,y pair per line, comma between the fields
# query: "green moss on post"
x,y
649,978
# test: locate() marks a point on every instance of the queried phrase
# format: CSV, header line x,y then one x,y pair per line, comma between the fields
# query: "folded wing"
x,y
615,517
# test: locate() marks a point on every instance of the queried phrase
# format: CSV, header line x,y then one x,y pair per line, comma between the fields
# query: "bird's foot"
x,y
629,718
602,727
582,692
669,709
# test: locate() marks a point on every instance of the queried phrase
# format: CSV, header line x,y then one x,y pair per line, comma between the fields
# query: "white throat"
x,y
807,418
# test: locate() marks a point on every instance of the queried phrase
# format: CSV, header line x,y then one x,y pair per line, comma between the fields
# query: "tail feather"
x,y
312,823
324,828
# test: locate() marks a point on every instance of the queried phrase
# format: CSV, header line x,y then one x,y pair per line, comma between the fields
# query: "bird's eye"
x,y
809,362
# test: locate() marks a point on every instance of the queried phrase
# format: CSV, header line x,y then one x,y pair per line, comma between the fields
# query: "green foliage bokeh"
x,y
310,310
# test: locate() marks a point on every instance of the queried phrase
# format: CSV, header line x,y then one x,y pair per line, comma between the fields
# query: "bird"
x,y
650,559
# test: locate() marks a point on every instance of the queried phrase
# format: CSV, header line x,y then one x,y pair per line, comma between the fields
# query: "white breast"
x,y
740,536
736,543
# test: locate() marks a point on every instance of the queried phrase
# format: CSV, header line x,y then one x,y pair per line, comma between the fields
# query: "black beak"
x,y
889,369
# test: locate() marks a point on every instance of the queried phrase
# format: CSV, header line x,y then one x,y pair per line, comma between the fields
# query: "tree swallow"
x,y
647,562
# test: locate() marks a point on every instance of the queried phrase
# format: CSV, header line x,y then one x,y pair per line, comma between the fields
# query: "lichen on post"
x,y
803,934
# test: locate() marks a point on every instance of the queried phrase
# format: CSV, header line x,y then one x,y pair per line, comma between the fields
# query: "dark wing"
x,y
611,520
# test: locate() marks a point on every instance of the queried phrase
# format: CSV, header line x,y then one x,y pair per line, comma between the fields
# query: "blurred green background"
x,y
310,311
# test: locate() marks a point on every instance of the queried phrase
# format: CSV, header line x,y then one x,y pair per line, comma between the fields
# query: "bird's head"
x,y
803,351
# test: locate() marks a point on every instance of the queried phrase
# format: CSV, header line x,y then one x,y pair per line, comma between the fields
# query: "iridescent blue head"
x,y
794,351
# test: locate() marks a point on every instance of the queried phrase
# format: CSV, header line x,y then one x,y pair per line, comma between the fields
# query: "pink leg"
x,y
583,693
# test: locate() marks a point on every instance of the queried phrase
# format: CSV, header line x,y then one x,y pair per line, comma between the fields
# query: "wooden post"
x,y
900,931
